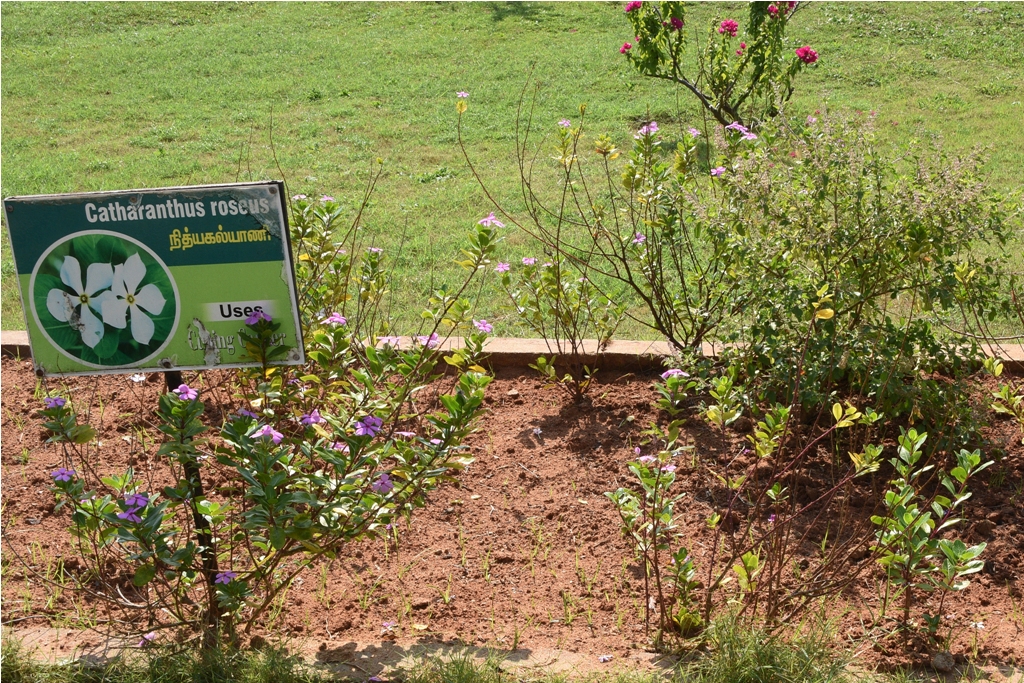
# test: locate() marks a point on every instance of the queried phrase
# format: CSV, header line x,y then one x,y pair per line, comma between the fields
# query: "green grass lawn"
x,y
114,96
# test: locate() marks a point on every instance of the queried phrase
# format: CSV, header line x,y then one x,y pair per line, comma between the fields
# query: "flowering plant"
x,y
736,78
312,459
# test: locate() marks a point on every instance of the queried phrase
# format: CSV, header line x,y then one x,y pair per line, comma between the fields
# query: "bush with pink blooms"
x,y
737,78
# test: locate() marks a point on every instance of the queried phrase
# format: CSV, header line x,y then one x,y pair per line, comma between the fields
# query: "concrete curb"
x,y
622,355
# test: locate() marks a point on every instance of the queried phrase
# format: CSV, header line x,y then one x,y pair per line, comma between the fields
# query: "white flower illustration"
x,y
62,305
126,296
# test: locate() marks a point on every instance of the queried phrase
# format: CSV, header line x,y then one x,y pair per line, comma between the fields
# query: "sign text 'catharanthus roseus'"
x,y
160,278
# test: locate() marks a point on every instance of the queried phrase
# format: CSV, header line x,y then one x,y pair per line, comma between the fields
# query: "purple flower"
x,y
390,341
298,197
646,459
694,133
771,519
430,342
340,446
54,402
483,326
462,93
62,474
436,442
639,238
501,268
650,129
374,250
635,4
405,435
738,127
383,485
335,319
718,171
388,626
668,468
136,500
256,317
368,426
312,418
489,220
268,432
225,577
326,198
130,515
565,123
749,136
529,261
674,372
247,413
811,120
147,639
676,22
186,393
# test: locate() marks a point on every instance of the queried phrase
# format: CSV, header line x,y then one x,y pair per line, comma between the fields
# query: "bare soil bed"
x,y
526,551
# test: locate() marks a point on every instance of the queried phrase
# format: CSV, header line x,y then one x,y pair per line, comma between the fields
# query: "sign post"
x,y
155,279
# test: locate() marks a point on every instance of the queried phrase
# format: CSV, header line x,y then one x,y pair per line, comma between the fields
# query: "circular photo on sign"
x,y
104,299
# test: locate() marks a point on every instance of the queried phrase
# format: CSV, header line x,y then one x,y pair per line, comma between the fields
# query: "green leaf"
x,y
144,575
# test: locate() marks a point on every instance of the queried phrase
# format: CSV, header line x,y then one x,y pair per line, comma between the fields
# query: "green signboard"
x,y
152,279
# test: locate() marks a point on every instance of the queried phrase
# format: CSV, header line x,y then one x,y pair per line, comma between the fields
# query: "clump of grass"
x,y
187,666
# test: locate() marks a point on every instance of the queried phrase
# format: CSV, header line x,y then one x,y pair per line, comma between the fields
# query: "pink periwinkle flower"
x,y
326,198
54,402
435,442
483,326
340,446
374,250
635,4
646,459
811,120
806,54
383,485
489,220
405,435
369,426
186,393
297,197
729,27
676,22
529,261
335,319
694,133
501,268
717,171
771,519
256,317
626,47
462,93
268,432
650,129
225,577
674,372
669,469
312,418
430,342
62,474
147,639
639,238
565,123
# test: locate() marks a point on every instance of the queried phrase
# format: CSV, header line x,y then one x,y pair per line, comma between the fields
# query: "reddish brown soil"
x,y
527,548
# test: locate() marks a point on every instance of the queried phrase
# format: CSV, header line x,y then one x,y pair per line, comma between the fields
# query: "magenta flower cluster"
x,y
729,27
742,130
626,47
635,4
806,55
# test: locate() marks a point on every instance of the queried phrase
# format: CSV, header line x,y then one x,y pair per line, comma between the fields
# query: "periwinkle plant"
x,y
316,458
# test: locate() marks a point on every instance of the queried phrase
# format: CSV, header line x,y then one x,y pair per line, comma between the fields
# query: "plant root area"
x,y
526,551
